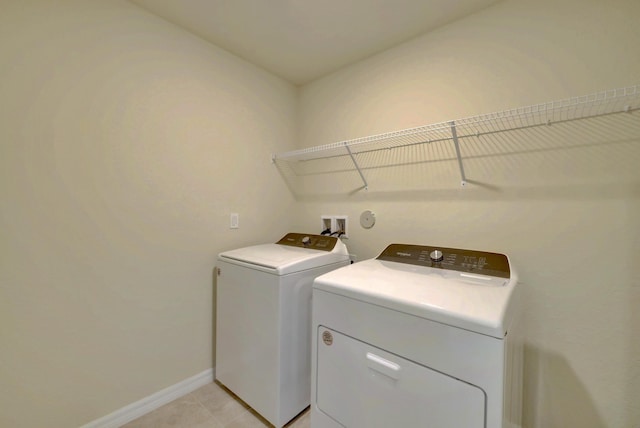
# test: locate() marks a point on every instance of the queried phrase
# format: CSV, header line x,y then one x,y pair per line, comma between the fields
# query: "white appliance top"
x,y
472,290
295,252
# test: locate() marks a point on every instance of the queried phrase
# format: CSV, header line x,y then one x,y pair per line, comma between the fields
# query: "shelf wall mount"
x,y
454,135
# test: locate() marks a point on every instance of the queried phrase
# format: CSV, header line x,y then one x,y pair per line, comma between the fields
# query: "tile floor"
x,y
211,406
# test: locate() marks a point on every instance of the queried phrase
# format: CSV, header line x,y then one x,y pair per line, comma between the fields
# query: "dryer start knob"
x,y
306,240
436,256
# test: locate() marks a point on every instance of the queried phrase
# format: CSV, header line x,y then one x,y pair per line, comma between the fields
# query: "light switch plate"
x,y
234,222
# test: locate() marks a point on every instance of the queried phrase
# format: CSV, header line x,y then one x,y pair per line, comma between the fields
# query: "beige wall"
x,y
125,143
562,202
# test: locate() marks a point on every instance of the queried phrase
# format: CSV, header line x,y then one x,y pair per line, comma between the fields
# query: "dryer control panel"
x,y
471,261
314,242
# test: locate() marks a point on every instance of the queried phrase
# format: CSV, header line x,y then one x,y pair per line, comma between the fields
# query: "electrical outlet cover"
x,y
367,219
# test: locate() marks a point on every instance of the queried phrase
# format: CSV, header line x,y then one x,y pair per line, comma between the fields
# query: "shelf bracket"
x,y
457,144
353,159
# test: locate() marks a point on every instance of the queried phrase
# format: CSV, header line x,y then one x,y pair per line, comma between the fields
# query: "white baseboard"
x,y
152,402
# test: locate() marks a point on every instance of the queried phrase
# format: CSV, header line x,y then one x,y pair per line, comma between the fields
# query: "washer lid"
x,y
285,258
479,303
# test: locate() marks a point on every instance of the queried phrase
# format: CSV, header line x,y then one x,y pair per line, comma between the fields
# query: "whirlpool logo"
x,y
403,254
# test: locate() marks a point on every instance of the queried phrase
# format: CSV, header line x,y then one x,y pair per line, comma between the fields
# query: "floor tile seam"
x,y
218,421
238,416
201,401
201,404
213,414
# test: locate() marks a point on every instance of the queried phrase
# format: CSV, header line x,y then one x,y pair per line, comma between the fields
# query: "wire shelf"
x,y
613,101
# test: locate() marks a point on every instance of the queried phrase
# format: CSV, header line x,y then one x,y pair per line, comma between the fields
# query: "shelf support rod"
x,y
457,144
364,180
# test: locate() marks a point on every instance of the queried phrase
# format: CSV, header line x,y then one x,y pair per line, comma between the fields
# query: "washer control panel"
x,y
315,242
471,261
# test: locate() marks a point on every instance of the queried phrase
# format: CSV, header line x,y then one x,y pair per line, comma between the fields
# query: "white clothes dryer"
x,y
263,320
421,336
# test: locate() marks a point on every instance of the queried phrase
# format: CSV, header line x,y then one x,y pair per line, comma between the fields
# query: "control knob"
x,y
436,256
306,240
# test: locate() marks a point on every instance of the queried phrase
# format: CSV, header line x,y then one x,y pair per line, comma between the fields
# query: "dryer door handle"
x,y
384,366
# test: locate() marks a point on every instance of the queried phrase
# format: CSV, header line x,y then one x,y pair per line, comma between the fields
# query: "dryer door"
x,y
359,385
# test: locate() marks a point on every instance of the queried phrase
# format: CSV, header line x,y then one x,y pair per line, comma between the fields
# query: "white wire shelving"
x,y
613,101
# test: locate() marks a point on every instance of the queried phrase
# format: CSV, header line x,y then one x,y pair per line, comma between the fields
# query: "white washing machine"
x,y
263,320
419,337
